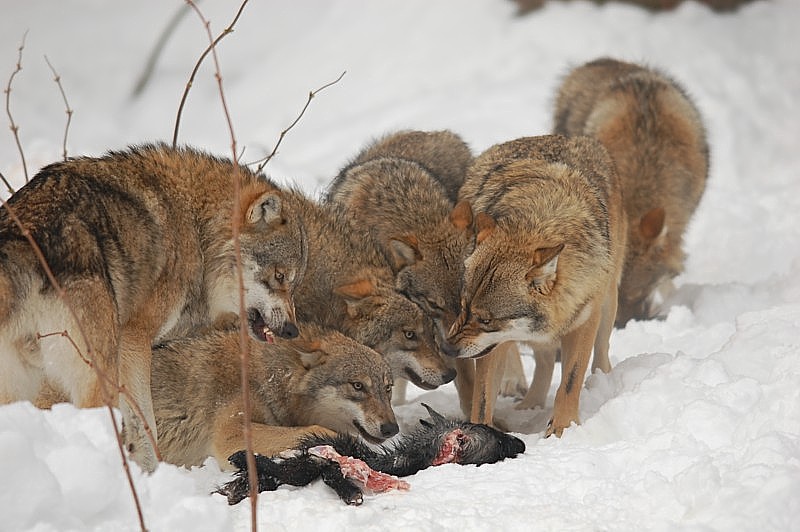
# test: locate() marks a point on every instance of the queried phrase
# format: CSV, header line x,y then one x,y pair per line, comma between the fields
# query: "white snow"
x,y
698,425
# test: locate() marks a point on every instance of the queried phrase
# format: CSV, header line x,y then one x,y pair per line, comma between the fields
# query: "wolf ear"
x,y
484,225
403,251
354,294
652,226
310,351
542,276
461,215
266,208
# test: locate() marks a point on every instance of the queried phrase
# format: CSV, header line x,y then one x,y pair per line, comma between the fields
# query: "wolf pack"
x,y
126,279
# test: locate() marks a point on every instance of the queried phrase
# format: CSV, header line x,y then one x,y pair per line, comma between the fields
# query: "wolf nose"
x,y
289,331
449,375
389,429
448,349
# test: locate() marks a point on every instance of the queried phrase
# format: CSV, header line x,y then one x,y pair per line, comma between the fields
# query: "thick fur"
x,y
656,137
349,286
476,444
550,246
322,382
141,243
408,213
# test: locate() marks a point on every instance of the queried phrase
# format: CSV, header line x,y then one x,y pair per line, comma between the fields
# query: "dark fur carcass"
x,y
436,441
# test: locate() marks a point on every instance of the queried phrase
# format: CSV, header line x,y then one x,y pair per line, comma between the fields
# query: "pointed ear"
x,y
310,352
542,276
265,208
651,225
461,215
403,251
484,225
356,290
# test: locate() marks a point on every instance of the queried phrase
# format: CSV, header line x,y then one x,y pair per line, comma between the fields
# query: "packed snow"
x,y
698,425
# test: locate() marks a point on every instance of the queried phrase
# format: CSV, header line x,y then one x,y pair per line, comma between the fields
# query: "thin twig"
x,y
7,184
57,79
13,125
236,217
90,351
211,47
263,162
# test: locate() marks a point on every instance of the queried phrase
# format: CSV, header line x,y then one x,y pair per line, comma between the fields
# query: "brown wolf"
x,y
550,246
656,137
348,286
321,382
141,243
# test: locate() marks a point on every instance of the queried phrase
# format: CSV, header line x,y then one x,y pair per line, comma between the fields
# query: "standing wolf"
x,y
349,287
141,243
549,250
656,137
319,383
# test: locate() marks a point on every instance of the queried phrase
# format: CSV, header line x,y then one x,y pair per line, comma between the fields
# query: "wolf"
x,y
140,244
655,134
549,251
400,187
348,286
321,382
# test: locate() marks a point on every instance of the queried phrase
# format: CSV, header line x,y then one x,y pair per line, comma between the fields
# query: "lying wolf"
x,y
140,242
321,382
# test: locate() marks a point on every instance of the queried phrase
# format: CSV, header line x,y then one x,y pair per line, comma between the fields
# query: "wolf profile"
x,y
549,251
656,137
140,241
319,383
348,286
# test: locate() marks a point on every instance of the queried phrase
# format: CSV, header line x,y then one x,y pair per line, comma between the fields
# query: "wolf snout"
x,y
389,429
288,330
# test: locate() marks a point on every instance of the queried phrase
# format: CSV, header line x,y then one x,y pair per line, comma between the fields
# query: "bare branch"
x,y
236,217
57,79
263,162
13,125
211,47
7,184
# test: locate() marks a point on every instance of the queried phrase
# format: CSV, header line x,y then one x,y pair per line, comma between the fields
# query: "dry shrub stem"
x,y
57,79
211,47
263,162
236,217
13,125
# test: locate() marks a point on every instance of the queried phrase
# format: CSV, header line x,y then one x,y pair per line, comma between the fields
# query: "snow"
x,y
698,425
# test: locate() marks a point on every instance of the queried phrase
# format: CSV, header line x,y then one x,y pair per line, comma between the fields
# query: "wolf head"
x,y
650,262
381,318
430,267
347,386
274,252
506,294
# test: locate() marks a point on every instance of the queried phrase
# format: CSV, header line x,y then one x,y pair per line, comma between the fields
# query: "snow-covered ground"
x,y
698,425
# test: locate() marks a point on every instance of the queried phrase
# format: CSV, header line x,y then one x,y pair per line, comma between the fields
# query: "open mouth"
x,y
366,435
417,380
258,327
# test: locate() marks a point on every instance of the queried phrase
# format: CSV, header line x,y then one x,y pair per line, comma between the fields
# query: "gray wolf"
x,y
655,135
436,441
549,251
321,382
348,286
141,243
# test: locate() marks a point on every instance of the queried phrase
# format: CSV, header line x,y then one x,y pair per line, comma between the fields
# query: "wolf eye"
x,y
279,276
410,335
389,389
483,321
357,386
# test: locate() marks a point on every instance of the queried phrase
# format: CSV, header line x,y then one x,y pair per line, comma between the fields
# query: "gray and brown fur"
x,y
550,246
399,189
656,137
141,243
349,287
322,382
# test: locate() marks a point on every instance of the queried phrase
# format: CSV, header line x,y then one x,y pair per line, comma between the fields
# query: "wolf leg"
x,y
576,349
545,355
512,380
134,376
484,391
